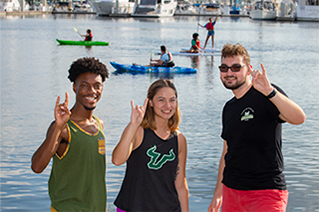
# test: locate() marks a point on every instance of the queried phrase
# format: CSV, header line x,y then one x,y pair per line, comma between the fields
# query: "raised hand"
x,y
61,111
260,81
138,112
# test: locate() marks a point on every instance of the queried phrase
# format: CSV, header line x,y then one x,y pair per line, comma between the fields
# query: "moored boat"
x,y
308,10
82,43
155,8
109,7
263,10
146,69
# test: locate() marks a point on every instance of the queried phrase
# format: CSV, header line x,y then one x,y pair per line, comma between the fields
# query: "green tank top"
x,y
77,180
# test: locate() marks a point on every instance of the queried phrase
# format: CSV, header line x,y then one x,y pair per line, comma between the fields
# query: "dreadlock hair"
x,y
88,64
230,50
148,119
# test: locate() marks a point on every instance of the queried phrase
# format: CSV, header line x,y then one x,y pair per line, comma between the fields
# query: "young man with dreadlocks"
x,y
76,142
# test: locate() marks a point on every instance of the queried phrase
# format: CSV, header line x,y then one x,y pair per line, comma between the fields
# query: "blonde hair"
x,y
148,119
230,50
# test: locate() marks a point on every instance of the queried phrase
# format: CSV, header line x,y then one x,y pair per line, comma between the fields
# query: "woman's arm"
x,y
181,181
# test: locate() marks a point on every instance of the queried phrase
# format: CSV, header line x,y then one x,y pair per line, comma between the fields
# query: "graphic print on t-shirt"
x,y
247,114
156,163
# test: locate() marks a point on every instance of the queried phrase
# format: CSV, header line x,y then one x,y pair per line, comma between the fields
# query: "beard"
x,y
89,108
234,86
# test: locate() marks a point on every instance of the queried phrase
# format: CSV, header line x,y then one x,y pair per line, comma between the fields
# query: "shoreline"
x,y
126,15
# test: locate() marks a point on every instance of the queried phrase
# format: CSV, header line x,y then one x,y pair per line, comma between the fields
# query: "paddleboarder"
x,y
76,143
195,45
210,27
155,152
250,175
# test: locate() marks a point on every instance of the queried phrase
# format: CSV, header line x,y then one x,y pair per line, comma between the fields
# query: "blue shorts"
x,y
210,32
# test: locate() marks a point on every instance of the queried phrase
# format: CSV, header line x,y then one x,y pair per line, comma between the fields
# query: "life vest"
x,y
89,38
198,43
209,26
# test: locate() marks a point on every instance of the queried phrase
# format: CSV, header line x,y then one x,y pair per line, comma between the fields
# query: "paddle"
x,y
151,54
77,31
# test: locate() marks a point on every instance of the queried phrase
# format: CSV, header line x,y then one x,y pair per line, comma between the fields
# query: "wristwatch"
x,y
272,94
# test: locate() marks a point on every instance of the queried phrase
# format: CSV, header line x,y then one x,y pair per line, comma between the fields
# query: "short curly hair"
x,y
229,50
87,64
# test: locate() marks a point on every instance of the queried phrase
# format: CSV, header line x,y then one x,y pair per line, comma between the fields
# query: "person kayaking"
x,y
165,59
88,36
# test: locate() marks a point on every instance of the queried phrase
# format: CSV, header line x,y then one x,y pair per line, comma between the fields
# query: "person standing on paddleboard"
x,y
210,27
76,143
250,175
155,152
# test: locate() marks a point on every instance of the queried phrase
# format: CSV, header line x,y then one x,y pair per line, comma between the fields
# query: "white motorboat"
x,y
209,9
108,7
307,10
81,6
263,10
155,8
185,8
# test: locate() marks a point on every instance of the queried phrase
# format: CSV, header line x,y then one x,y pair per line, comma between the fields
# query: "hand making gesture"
x,y
61,111
138,112
260,81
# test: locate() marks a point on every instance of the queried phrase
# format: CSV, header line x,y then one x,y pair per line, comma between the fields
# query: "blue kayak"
x,y
147,69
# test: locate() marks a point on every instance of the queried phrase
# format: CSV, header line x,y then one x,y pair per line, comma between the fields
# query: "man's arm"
x,y
217,197
290,111
55,134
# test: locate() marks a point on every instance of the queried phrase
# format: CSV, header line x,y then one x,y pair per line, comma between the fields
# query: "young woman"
x,y
155,152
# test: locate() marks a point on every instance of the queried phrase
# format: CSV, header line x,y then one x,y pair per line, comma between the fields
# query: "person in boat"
x,y
75,141
250,174
88,36
155,152
195,45
210,27
165,59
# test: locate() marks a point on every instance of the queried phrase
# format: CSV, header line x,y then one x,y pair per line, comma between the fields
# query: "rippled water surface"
x,y
34,71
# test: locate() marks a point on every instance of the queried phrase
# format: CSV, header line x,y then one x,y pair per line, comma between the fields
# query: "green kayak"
x,y
82,43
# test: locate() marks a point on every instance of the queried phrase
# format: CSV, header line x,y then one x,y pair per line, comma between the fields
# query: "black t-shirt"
x,y
252,129
149,183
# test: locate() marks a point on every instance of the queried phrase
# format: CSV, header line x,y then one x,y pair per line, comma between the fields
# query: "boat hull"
x,y
82,43
155,11
146,69
106,8
263,15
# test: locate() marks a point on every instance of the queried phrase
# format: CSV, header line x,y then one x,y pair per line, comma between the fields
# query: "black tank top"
x,y
149,183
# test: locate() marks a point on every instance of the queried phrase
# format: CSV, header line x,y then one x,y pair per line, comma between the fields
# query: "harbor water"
x,y
34,72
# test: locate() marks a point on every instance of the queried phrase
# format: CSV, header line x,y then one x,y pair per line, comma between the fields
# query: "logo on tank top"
x,y
155,161
102,146
247,114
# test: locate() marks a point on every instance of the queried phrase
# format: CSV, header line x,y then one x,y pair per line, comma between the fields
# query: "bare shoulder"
x,y
182,141
101,122
180,136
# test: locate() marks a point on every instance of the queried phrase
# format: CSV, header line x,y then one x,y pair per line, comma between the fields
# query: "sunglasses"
x,y
234,67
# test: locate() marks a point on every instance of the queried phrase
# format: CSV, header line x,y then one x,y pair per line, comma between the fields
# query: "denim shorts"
x,y
210,32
